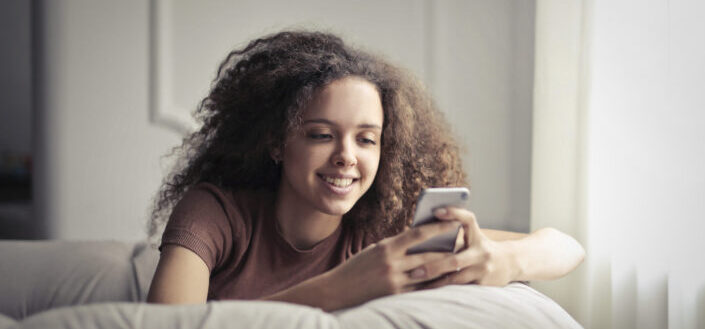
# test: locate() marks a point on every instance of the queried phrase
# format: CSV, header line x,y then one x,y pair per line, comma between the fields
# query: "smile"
x,y
339,182
339,185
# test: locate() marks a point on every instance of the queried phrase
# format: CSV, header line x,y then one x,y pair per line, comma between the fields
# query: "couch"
x,y
101,284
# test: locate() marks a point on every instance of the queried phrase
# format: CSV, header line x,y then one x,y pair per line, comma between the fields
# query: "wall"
x,y
647,159
483,67
619,160
98,156
117,80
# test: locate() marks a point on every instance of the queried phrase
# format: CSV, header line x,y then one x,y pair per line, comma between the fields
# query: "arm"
x,y
181,278
545,254
498,235
379,270
498,257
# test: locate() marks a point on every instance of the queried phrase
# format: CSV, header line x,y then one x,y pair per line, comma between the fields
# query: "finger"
x,y
464,276
440,282
453,263
443,281
370,246
415,261
462,215
465,217
416,235
460,240
411,287
414,267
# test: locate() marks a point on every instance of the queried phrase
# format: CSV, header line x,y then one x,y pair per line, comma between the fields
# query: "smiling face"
x,y
332,160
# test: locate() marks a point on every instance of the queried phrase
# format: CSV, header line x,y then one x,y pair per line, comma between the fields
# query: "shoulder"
x,y
205,195
238,207
202,206
213,222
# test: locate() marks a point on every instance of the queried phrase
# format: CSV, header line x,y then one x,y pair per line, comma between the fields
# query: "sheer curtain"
x,y
619,157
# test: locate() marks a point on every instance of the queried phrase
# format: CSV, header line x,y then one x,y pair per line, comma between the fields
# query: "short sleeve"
x,y
200,223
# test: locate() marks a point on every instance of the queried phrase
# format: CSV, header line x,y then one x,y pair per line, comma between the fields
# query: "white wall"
x,y
647,157
107,68
98,158
620,88
483,79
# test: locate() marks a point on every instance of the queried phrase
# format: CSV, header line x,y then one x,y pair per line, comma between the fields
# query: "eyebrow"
x,y
331,123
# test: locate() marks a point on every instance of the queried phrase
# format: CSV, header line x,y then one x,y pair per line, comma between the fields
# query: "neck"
x,y
299,223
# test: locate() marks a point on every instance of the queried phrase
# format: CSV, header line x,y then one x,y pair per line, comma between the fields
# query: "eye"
x,y
368,141
320,136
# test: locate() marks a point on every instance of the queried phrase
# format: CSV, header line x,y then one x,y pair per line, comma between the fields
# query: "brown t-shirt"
x,y
236,236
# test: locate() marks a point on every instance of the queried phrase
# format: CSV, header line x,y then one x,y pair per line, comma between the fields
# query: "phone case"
x,y
429,200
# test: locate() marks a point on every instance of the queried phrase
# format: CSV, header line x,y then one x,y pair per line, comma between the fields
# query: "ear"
x,y
276,155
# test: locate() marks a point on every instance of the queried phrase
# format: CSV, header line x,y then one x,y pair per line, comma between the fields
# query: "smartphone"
x,y
429,200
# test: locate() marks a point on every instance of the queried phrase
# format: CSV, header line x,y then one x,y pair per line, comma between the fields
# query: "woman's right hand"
x,y
383,268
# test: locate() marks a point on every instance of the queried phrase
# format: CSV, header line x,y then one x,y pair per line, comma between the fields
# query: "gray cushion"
x,y
41,275
144,262
6,322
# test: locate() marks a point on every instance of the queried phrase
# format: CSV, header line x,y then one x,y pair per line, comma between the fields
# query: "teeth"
x,y
340,182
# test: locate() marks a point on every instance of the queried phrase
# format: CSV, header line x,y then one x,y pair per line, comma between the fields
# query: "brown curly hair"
x,y
259,95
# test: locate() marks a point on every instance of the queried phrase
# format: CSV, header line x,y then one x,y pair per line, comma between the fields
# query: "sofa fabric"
x,y
6,321
59,284
42,275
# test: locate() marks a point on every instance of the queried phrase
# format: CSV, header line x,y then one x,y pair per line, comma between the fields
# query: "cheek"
x,y
371,163
302,159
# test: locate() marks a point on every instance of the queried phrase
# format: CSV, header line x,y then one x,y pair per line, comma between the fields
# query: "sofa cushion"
x,y
460,306
6,322
144,262
41,275
50,276
215,315
469,306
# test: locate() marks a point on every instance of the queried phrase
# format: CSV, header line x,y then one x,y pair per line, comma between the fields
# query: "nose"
x,y
344,155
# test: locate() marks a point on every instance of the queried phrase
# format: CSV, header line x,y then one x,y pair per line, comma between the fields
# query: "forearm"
x,y
545,254
314,292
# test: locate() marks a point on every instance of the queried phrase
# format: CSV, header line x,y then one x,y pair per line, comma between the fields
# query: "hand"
x,y
384,268
483,261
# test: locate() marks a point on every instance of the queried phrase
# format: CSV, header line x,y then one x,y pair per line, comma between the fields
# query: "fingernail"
x,y
440,212
418,273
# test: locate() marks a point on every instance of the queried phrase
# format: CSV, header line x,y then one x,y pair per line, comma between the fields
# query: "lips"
x,y
339,181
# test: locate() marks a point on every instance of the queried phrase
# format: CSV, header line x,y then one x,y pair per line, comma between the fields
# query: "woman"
x,y
302,181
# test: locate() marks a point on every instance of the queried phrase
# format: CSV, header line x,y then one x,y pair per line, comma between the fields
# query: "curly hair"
x,y
258,96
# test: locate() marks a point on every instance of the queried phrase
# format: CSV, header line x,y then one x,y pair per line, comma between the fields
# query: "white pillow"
x,y
514,306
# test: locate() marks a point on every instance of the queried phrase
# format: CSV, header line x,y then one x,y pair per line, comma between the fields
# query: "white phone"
x,y
429,200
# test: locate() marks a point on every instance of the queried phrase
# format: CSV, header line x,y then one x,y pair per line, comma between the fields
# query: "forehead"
x,y
348,101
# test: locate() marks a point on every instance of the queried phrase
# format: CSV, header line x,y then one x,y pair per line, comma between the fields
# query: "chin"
x,y
336,208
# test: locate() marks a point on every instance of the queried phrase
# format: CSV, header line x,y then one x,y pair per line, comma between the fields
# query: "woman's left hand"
x,y
483,261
